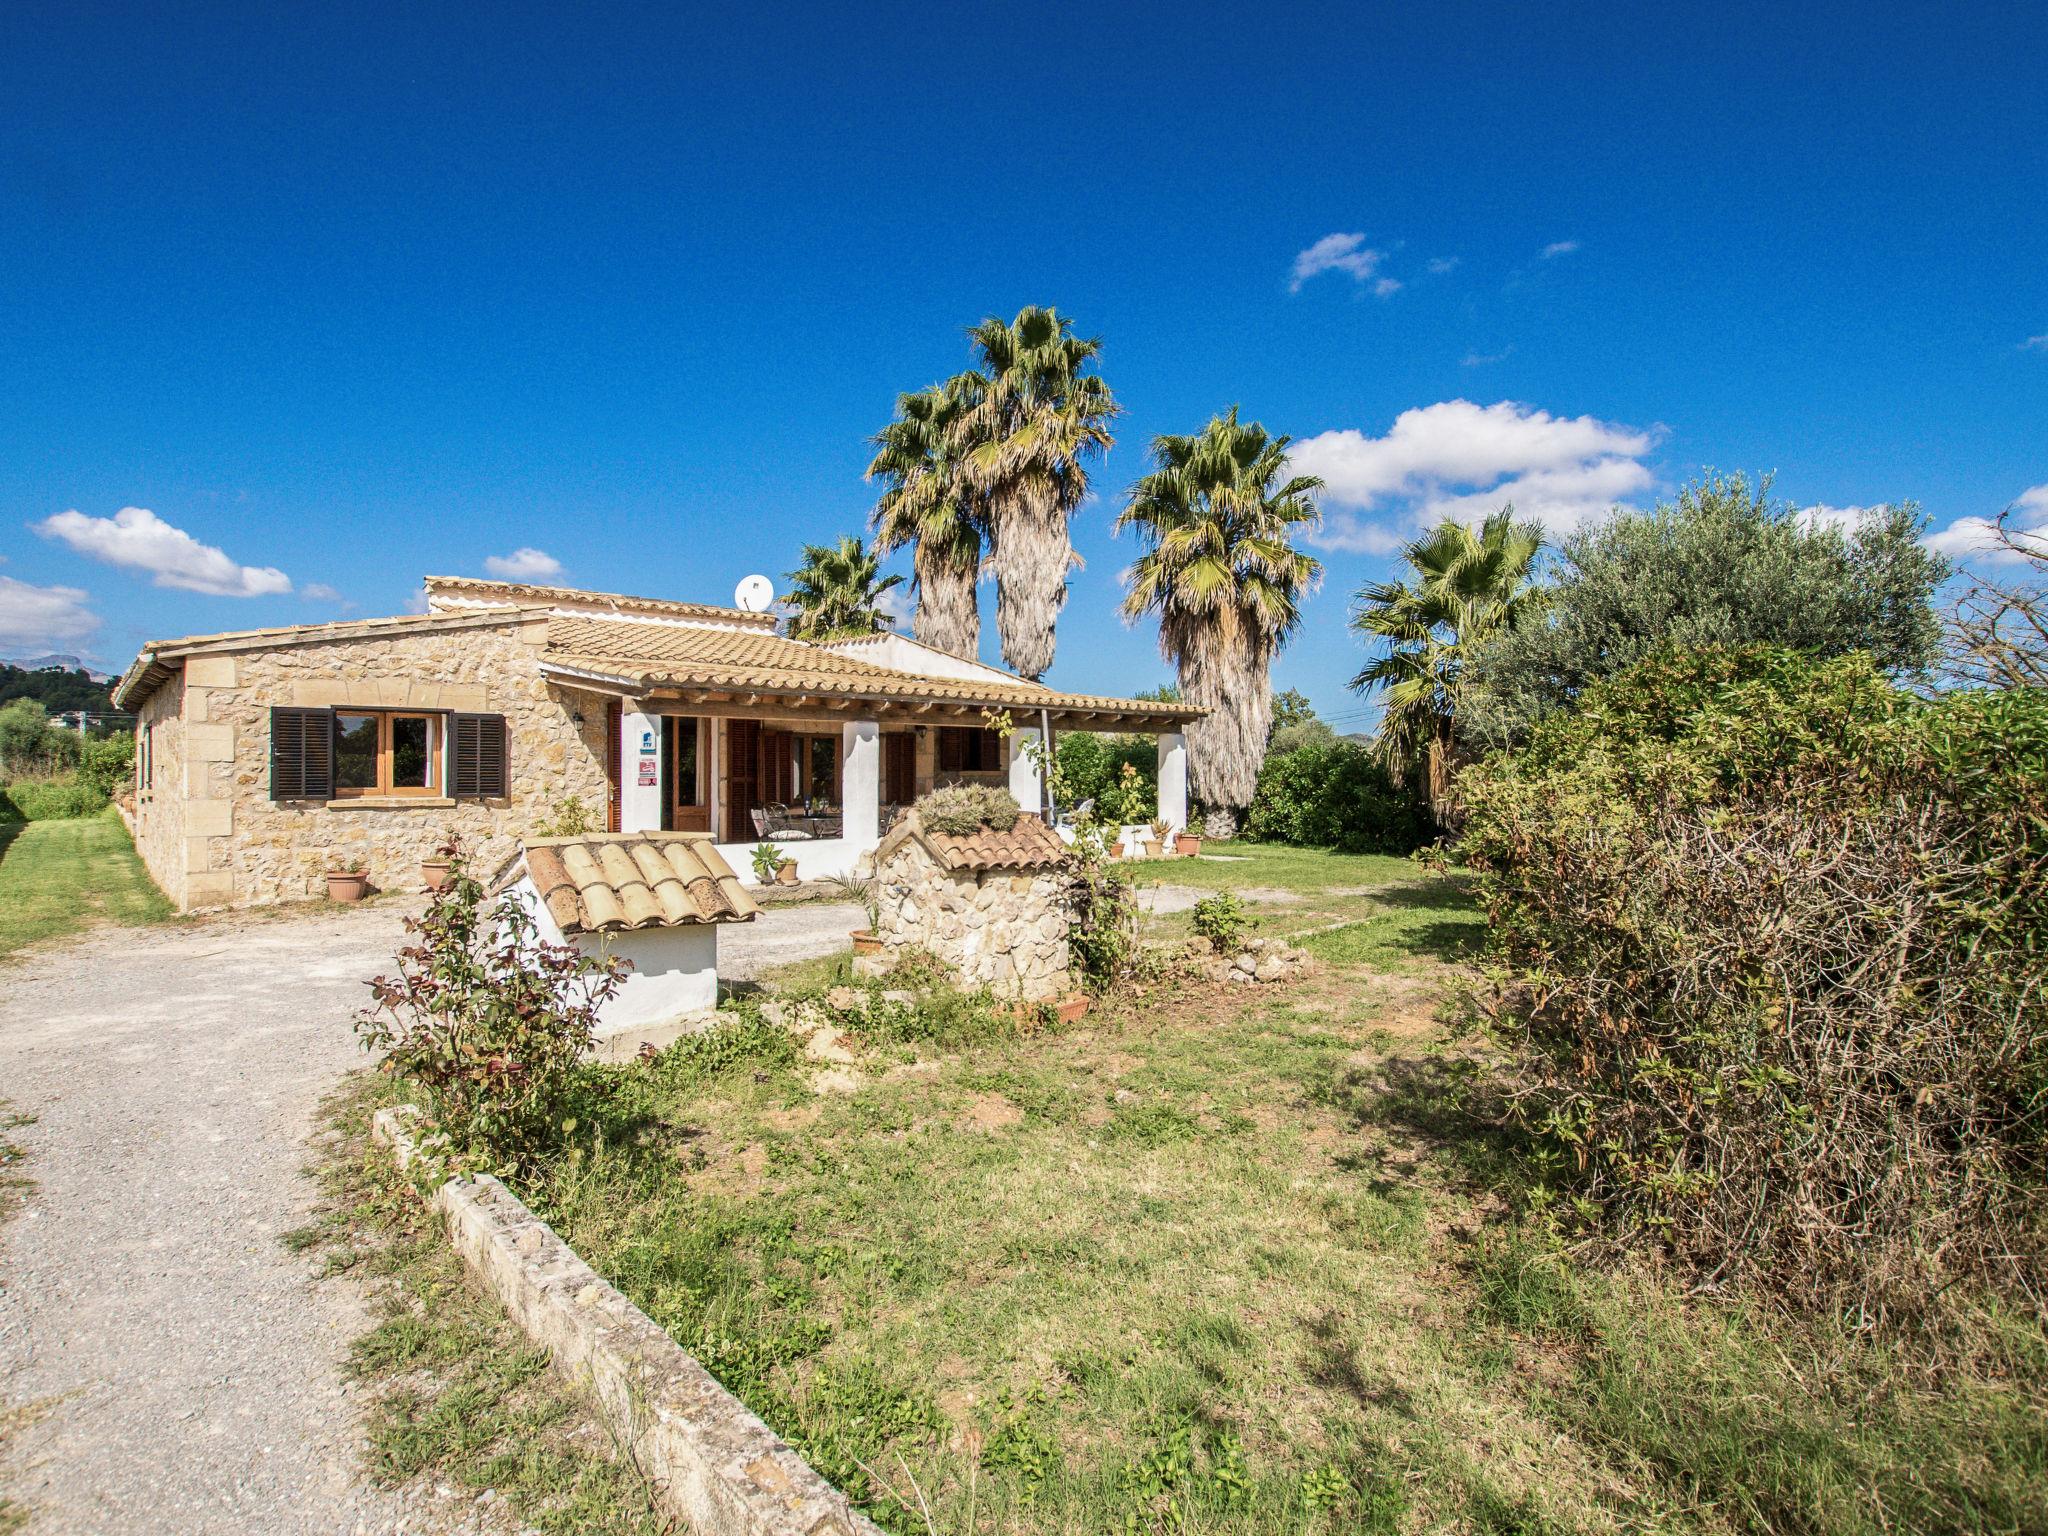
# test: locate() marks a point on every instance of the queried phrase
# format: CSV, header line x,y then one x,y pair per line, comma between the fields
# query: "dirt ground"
x,y
177,1369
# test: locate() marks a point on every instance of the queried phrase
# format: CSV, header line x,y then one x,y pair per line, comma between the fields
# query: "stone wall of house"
x,y
1003,929
159,820
241,848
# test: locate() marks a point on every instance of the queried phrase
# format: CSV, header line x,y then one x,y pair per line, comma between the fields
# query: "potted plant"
x,y
767,861
1162,839
348,882
785,872
1188,844
861,888
434,872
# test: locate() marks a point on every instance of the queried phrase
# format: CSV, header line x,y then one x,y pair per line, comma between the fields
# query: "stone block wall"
x,y
211,834
159,820
1005,929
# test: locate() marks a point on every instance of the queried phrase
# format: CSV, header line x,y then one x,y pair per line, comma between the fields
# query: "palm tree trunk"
x,y
1031,556
948,616
1231,677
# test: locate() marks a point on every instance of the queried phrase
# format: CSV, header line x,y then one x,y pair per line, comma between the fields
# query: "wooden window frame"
x,y
385,789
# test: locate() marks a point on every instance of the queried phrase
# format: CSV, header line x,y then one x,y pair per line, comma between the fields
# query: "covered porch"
x,y
823,778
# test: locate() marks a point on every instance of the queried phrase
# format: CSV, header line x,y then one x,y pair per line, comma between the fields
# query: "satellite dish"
x,y
754,593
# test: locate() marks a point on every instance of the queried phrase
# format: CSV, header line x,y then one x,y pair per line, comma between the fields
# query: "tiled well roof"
x,y
1030,844
610,881
656,655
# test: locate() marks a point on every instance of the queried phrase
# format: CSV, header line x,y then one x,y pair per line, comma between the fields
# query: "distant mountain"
x,y
56,664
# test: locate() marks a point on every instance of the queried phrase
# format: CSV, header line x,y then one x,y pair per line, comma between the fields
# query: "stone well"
x,y
988,906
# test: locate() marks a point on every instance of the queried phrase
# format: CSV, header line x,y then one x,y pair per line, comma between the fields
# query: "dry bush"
x,y
1775,976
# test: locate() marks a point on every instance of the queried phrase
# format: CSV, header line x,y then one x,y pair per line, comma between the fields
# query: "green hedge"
x,y
1775,936
50,800
1335,795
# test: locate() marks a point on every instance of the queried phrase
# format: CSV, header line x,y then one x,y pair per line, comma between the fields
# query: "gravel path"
x,y
181,1367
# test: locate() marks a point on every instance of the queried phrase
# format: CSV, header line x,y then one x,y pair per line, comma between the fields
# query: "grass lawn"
x,y
1230,1260
57,877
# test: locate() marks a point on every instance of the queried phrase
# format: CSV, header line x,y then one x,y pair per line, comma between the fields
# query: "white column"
x,y
1023,771
639,769
860,782
1173,779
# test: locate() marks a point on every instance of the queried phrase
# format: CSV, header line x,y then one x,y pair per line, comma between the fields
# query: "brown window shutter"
x,y
899,767
612,726
481,750
301,754
775,760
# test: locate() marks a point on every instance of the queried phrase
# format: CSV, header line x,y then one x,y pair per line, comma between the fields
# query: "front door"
x,y
689,743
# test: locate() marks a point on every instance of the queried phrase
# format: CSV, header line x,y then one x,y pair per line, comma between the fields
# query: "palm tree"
x,y
1221,572
1468,585
1036,415
837,591
927,504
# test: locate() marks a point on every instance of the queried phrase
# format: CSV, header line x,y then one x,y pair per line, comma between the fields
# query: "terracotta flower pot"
x,y
1116,850
1072,1008
785,873
1188,844
866,942
347,885
435,873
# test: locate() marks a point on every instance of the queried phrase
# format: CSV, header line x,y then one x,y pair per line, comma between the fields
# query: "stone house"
x,y
989,906
265,758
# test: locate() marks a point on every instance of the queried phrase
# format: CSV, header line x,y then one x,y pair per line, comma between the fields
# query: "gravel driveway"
x,y
185,1367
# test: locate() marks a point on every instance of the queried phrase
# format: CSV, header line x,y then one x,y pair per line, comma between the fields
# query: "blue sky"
x,y
345,298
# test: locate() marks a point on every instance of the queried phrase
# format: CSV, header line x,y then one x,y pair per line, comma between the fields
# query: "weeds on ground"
x,y
459,1393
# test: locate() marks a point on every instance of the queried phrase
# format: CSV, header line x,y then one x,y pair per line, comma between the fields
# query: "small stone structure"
x,y
989,906
652,899
1256,960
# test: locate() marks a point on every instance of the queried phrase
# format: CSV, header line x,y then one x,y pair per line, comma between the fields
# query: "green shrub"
x,y
61,799
960,810
1223,921
107,763
1774,937
1092,765
489,1020
1335,794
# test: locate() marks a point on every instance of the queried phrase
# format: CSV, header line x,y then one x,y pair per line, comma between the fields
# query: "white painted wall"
x,y
640,743
902,654
860,782
817,858
1024,781
1173,779
675,970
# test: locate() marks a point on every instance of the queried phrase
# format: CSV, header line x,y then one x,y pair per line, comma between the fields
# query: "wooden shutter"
x,y
737,759
480,767
301,754
774,779
899,767
613,723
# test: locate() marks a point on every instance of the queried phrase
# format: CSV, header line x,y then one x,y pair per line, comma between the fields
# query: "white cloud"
x,y
319,592
1443,264
1386,287
1969,537
139,540
1558,248
2035,343
36,618
1456,459
416,600
1481,359
897,605
1341,253
524,564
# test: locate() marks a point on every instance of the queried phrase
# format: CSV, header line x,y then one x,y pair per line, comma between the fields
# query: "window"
x,y
384,752
689,783
969,749
820,765
145,775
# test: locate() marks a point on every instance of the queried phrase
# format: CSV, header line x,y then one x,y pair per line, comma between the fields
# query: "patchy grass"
x,y
57,877
1233,1260
14,1189
459,1395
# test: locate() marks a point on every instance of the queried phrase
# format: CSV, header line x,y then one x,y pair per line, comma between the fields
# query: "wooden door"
x,y
689,779
738,764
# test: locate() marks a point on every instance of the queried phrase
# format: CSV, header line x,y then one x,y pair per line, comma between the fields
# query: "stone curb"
x,y
713,1464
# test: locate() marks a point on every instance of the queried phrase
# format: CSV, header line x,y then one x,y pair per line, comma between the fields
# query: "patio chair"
x,y
780,826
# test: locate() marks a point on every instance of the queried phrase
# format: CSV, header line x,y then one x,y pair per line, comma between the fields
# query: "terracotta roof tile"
x,y
1030,844
610,881
655,655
